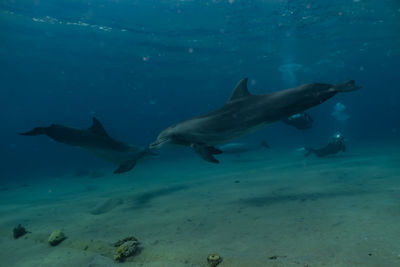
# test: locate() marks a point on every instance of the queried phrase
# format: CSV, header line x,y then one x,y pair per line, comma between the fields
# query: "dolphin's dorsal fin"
x,y
98,128
240,90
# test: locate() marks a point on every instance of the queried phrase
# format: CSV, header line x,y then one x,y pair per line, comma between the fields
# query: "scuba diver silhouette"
x,y
336,145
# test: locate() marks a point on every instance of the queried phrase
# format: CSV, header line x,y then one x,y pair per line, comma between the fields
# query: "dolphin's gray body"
x,y
238,148
96,141
244,113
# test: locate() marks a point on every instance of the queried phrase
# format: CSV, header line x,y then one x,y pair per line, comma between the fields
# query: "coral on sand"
x,y
125,248
214,259
56,238
19,231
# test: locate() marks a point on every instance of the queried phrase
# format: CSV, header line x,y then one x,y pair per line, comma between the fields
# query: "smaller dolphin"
x,y
96,141
237,148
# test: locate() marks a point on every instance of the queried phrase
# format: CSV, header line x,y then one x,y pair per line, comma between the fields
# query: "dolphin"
x,y
238,148
244,113
96,141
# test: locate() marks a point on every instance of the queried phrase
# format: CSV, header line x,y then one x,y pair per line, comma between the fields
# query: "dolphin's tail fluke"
x,y
348,86
35,131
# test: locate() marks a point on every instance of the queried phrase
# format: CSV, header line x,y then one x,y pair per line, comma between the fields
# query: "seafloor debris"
x,y
214,259
125,248
19,231
56,237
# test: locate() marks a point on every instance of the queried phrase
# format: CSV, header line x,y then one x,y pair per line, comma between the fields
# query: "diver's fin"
x,y
347,86
206,152
98,128
240,90
126,166
35,131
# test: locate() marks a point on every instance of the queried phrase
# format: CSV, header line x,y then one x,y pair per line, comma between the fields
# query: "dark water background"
x,y
141,65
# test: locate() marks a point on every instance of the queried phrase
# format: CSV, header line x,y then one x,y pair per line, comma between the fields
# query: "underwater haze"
x,y
141,66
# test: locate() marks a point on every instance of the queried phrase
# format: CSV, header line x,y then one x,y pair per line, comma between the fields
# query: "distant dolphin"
x,y
96,141
237,148
244,113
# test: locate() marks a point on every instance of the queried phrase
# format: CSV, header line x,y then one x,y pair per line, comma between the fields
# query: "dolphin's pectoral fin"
x,y
126,166
98,128
206,152
240,90
214,150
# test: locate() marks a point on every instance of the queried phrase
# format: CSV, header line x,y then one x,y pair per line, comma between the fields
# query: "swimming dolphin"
x,y
238,148
244,113
96,141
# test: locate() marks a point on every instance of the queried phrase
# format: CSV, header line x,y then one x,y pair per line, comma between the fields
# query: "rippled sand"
x,y
264,208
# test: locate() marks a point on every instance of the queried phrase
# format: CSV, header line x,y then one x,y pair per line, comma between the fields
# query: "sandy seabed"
x,y
262,208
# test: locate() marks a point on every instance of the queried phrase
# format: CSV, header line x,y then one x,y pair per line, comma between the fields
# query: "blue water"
x,y
141,65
